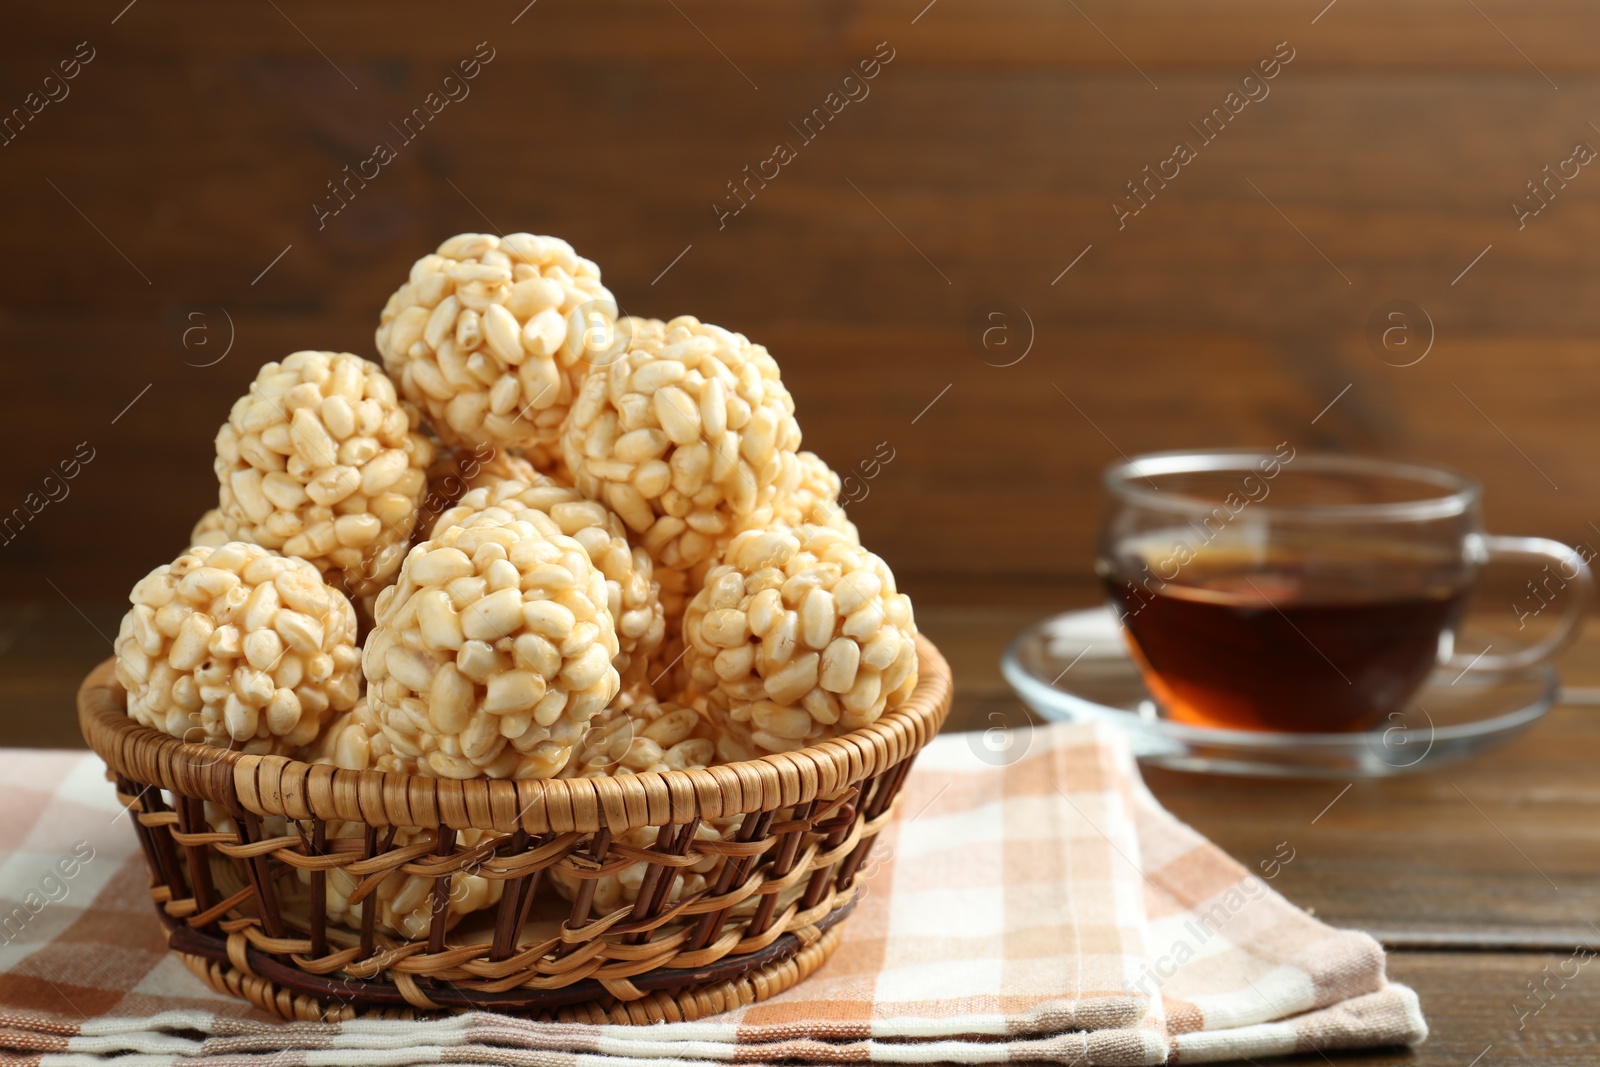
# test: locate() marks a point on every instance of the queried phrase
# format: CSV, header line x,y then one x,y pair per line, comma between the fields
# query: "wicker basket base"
x,y
685,1005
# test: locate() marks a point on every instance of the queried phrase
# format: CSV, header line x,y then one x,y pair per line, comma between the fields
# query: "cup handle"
x,y
1566,558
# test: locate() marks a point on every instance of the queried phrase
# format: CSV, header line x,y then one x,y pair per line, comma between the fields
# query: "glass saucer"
x,y
1076,668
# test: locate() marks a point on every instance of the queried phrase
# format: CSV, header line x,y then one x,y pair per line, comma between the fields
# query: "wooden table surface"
x,y
1482,878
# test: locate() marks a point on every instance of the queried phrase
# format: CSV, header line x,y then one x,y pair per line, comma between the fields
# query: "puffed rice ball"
x,y
487,465
633,738
238,647
686,433
405,901
492,336
524,465
643,734
666,671
219,821
519,465
502,466
456,471
613,891
814,501
354,742
448,478
801,634
320,460
209,531
632,595
453,472
516,465
492,650
735,741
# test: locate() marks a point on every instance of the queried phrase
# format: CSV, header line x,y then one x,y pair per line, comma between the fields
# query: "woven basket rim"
x,y
277,785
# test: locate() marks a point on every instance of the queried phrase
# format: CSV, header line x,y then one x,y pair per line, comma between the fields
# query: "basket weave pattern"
x,y
227,837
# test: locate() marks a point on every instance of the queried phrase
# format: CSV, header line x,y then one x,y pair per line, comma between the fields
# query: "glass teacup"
x,y
1270,590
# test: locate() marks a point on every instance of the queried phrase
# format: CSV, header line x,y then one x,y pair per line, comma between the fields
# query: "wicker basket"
x,y
226,837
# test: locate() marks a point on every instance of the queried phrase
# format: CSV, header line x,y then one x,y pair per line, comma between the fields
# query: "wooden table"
x,y
1482,878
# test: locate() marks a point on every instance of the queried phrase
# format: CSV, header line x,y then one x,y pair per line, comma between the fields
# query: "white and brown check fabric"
x,y
1045,910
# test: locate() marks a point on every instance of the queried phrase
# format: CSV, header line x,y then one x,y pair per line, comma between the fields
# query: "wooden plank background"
x,y
167,201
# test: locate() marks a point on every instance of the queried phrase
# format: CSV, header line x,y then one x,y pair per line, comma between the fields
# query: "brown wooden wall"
x,y
984,157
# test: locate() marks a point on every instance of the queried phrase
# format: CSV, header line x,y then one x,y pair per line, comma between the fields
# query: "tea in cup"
x,y
1303,593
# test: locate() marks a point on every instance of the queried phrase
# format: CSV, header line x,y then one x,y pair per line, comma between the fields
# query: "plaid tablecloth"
x,y
1032,907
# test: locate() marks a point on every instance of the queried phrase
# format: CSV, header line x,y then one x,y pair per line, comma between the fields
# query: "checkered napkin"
x,y
1044,910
